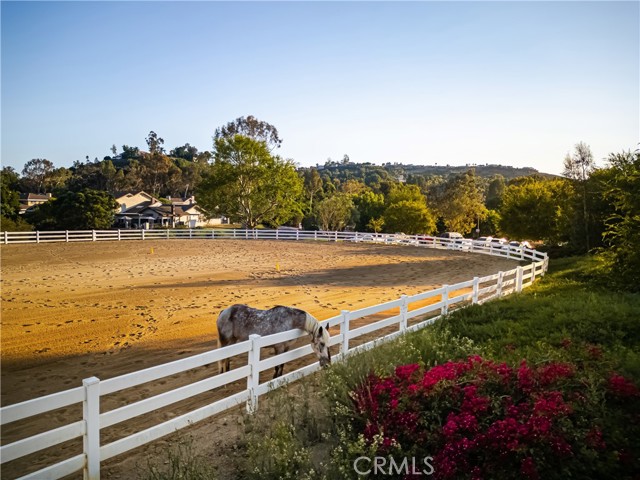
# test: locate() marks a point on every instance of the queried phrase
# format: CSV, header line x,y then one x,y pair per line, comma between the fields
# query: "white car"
x,y
483,241
518,246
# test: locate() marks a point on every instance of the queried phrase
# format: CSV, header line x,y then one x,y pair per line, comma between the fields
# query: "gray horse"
x,y
237,322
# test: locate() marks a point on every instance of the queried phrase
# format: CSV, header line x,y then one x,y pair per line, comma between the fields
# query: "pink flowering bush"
x,y
481,419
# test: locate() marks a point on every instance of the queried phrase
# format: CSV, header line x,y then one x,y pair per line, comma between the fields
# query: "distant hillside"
x,y
487,170
394,171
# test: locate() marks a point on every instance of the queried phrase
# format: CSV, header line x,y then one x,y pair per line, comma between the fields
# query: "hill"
x,y
370,173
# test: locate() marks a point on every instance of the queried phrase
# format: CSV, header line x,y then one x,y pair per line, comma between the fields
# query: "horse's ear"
x,y
320,331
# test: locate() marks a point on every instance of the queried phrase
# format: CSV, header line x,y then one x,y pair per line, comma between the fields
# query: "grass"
x,y
299,432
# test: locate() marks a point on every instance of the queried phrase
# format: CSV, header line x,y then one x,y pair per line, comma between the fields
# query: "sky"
x,y
512,83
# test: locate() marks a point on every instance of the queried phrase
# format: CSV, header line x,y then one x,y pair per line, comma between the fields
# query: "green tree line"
x,y
244,179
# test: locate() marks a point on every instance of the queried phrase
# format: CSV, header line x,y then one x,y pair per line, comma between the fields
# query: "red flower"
x,y
620,386
528,468
404,372
594,439
525,377
552,372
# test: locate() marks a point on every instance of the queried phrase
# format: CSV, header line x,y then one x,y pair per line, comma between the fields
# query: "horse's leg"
x,y
280,368
224,365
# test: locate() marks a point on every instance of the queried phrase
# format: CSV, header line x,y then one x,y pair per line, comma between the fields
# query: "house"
x,y
141,210
29,200
193,215
127,200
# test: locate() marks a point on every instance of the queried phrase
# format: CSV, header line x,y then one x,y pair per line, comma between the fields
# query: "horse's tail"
x,y
223,324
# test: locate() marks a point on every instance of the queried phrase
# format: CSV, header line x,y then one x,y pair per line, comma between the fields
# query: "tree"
x,y
353,187
538,210
186,152
376,224
154,142
249,185
460,203
495,190
400,192
578,167
312,185
370,205
86,209
410,217
155,166
250,127
35,174
623,227
406,210
334,213
9,195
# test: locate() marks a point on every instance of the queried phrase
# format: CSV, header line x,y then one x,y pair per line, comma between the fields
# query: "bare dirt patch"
x,y
75,310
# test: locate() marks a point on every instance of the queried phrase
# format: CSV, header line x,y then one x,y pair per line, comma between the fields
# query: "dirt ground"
x,y
75,310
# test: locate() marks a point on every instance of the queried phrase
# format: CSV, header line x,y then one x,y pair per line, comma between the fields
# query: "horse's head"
x,y
320,345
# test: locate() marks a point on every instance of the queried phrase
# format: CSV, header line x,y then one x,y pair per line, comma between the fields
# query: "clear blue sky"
x,y
515,83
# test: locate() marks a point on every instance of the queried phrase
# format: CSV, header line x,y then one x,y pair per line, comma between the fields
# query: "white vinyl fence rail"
x,y
417,307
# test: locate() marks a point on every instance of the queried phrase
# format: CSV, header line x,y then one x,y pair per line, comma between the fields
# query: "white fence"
x,y
432,304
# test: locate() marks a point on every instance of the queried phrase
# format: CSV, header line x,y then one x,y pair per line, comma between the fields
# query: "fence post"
x,y
6,237
213,233
91,438
315,235
253,380
445,298
404,312
533,272
142,234
277,234
93,235
335,235
476,286
500,280
297,234
344,331
519,279
37,236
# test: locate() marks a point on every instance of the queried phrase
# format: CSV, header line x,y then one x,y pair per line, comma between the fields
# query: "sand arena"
x,y
75,310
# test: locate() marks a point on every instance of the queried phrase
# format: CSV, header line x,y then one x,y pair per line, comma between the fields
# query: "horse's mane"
x,y
312,326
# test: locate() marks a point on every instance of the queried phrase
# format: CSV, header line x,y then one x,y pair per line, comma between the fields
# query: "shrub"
x,y
482,419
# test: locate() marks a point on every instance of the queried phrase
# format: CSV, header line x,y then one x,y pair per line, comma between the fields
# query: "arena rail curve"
x,y
405,314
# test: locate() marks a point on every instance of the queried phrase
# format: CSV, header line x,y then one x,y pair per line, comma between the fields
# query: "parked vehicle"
x,y
518,246
449,236
462,244
498,242
424,238
483,241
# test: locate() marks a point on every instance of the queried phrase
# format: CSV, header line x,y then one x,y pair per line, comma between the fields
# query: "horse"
x,y
237,322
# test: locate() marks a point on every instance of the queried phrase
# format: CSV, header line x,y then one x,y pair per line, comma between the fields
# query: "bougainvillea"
x,y
481,419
